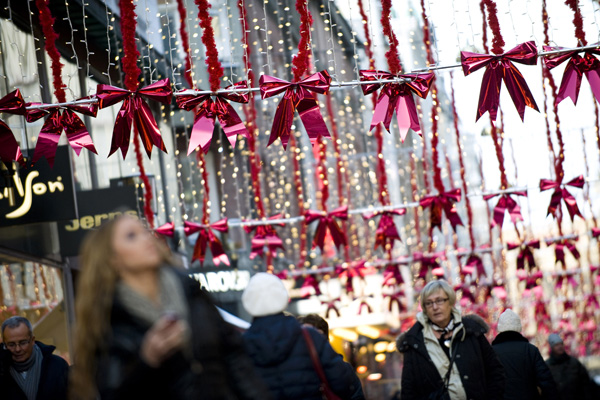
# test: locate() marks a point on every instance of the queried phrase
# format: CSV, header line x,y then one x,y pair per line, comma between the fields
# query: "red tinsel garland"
x,y
497,40
215,69
185,42
47,23
301,62
132,73
392,56
368,46
577,20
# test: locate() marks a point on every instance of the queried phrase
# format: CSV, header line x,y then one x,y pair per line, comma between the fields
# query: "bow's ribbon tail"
x,y
571,81
518,89
282,122
204,126
216,248
364,304
48,139
9,147
339,238
320,233
147,127
200,246
310,114
77,133
230,121
407,116
384,111
167,229
570,203
489,94
593,77
122,129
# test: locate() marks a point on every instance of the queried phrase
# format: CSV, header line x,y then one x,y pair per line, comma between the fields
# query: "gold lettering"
x,y
19,184
74,226
87,222
99,217
26,206
56,185
39,188
114,215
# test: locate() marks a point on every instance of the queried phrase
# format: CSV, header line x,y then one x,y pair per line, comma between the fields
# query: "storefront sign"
x,y
223,281
42,193
95,207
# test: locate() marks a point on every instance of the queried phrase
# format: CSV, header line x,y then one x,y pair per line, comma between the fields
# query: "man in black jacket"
x,y
527,375
570,375
29,370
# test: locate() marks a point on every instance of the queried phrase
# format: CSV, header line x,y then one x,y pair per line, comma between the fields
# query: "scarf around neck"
x,y
33,366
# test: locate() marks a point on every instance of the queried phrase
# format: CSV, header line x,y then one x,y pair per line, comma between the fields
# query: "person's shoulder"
x,y
408,338
474,324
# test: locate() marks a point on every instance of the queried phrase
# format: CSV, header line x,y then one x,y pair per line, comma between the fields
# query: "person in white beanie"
x,y
280,353
527,376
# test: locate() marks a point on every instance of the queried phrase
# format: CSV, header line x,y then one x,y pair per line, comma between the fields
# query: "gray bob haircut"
x,y
434,286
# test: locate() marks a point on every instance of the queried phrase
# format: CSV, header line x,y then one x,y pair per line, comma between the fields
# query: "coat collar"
x,y
509,336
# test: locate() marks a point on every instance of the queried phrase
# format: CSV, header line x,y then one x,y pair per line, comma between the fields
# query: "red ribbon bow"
x,y
395,298
573,74
167,229
386,233
428,261
327,222
398,97
265,236
567,278
473,263
77,133
298,96
392,275
209,110
591,300
560,246
331,307
12,103
525,252
561,193
500,67
356,269
207,238
135,110
309,282
446,202
506,203
466,291
532,280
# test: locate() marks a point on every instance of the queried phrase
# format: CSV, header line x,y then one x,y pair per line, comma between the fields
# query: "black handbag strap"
x,y
447,377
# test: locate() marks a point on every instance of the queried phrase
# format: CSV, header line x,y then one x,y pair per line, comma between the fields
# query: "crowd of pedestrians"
x,y
145,330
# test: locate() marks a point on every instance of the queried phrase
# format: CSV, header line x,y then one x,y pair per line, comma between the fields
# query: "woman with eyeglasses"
x,y
447,356
145,330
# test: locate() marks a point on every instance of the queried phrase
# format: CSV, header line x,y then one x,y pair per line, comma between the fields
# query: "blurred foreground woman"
x,y
146,330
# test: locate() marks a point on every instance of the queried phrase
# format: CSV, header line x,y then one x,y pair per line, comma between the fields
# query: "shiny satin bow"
x,y
167,229
135,110
12,103
428,262
398,97
309,282
265,236
525,252
472,264
506,203
573,74
498,68
560,246
446,202
561,193
209,110
298,96
395,298
355,269
327,222
386,233
207,238
331,307
77,133
392,275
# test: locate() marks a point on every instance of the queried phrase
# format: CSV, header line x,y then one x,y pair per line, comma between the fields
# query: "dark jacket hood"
x,y
270,339
509,336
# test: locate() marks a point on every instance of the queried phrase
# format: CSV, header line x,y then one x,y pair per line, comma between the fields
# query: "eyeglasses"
x,y
13,345
439,302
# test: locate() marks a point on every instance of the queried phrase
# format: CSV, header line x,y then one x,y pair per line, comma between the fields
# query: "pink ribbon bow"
x,y
355,269
525,252
561,193
167,229
327,222
392,276
331,307
207,238
77,133
135,110
429,261
506,203
309,282
573,74
446,202
265,236
12,103
386,233
560,246
398,97
497,68
472,264
209,110
298,96
395,298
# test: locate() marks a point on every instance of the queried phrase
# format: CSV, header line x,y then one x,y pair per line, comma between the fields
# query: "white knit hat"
x,y
265,295
509,321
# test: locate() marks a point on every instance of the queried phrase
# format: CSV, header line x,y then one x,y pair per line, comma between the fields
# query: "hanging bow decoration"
x,y
443,202
331,307
298,96
265,236
542,316
466,292
428,262
392,276
209,110
568,277
355,269
397,96
10,151
327,222
57,121
364,304
207,238
525,252
395,298
135,110
592,301
561,193
573,74
309,282
386,233
506,203
498,68
560,246
532,280
167,229
472,264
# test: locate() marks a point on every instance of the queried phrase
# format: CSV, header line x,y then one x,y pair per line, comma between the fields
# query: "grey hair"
x,y
434,286
14,322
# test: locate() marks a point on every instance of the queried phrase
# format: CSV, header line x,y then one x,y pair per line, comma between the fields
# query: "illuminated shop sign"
x,y
223,281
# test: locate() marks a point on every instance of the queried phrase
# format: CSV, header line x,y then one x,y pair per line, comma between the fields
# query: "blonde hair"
x,y
434,286
95,292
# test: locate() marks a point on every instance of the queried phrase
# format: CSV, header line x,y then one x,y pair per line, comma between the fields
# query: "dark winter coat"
x,y
524,367
278,349
218,370
481,373
54,377
571,377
